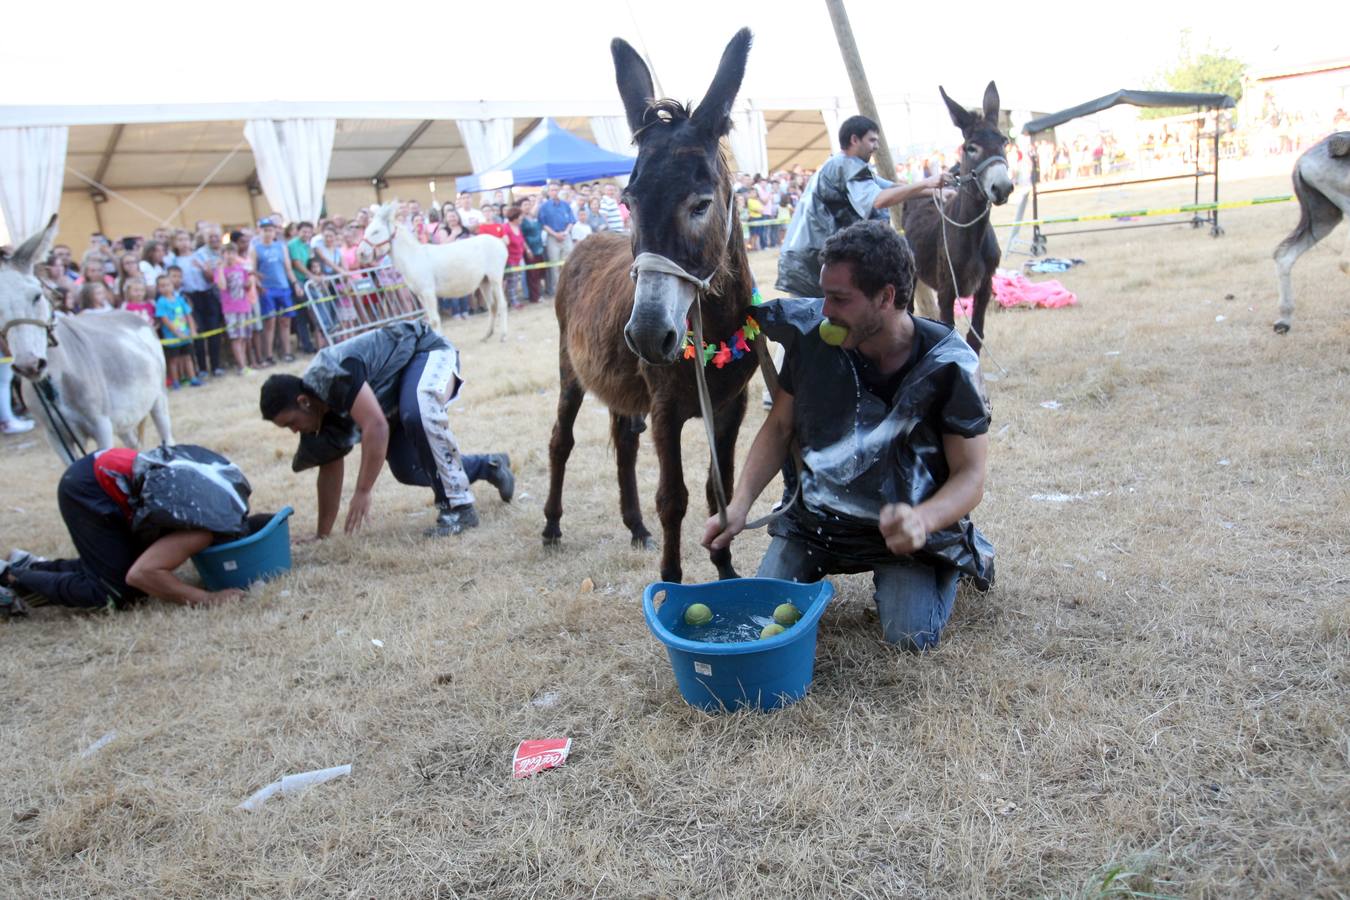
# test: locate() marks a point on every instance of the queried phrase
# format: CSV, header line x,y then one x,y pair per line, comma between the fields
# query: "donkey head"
x,y
25,311
679,194
983,156
381,227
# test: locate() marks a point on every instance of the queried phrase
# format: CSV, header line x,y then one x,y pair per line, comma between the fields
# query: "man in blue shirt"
x,y
557,217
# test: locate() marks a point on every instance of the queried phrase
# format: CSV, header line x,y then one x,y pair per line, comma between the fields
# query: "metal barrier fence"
x,y
344,305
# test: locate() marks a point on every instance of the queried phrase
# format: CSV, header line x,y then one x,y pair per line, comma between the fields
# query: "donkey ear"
x,y
35,248
713,115
991,104
961,116
634,80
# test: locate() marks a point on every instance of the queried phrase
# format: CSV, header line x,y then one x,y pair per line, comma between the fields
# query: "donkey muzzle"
x,y
655,330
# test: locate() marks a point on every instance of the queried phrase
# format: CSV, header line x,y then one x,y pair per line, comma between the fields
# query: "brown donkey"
x,y
958,238
622,337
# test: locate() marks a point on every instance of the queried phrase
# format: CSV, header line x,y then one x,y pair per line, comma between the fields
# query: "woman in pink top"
x,y
515,256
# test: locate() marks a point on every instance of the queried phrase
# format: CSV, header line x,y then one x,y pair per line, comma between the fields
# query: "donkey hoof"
x,y
1281,327
725,572
552,537
643,542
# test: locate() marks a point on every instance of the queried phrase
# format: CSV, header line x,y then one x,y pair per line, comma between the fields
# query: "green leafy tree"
x,y
1210,71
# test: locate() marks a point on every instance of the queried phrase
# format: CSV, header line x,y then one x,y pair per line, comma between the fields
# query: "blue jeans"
x,y
914,599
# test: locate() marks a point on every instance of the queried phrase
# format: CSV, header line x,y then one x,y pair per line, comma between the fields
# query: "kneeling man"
x,y
892,426
390,390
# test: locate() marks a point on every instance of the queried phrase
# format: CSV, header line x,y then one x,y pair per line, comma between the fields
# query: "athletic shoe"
x,y
17,426
218,373
195,382
500,476
453,520
11,607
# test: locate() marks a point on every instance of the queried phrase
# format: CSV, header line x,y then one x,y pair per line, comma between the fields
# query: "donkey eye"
x,y
973,149
702,206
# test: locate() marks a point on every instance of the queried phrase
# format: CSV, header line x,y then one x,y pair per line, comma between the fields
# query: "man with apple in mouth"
x,y
889,412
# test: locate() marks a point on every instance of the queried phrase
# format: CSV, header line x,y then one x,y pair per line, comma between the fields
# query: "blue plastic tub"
x,y
761,674
262,555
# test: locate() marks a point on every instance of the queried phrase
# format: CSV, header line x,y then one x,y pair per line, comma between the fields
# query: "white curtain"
x,y
293,156
489,141
32,167
612,133
749,141
834,116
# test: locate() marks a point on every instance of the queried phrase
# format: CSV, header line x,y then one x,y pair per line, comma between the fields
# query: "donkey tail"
x,y
1317,216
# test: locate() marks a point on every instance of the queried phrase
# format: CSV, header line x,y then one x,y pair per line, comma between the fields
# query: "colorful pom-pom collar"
x,y
732,348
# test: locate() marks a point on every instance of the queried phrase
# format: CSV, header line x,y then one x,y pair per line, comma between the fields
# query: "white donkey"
x,y
1322,184
456,269
89,377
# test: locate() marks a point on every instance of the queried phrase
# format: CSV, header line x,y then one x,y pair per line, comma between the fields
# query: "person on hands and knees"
x,y
889,414
390,390
134,518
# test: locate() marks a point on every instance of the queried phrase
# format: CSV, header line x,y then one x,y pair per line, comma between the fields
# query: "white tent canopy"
x,y
400,90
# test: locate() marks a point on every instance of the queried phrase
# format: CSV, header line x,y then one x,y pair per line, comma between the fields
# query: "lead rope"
x,y
947,252
46,395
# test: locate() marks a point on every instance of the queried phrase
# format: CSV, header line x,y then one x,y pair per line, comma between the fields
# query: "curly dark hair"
x,y
879,255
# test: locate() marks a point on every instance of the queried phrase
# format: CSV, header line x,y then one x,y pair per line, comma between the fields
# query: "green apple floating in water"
x,y
786,614
698,614
771,630
833,334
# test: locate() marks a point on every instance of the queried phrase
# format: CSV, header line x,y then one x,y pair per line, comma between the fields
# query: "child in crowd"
x,y
94,298
177,328
322,307
175,274
232,279
135,299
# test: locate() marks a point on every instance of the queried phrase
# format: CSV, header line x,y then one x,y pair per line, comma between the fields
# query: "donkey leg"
x,y
1285,256
975,336
499,292
625,437
727,428
672,497
570,395
160,413
484,289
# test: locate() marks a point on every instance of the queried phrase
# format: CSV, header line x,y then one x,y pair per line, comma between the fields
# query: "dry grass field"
x,y
1151,702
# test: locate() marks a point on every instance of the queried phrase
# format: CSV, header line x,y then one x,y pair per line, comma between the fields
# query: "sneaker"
x,y
500,476
17,426
195,382
453,520
247,371
218,373
289,357
20,560
11,607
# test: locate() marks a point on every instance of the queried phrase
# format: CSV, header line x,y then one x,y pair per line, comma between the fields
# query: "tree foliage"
x,y
1211,70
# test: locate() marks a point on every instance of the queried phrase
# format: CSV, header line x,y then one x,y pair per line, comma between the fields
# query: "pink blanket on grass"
x,y
1013,289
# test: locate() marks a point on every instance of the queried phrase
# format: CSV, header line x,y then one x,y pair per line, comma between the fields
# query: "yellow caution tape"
x,y
1142,213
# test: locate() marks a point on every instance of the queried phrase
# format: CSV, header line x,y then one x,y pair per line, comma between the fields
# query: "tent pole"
x,y
862,93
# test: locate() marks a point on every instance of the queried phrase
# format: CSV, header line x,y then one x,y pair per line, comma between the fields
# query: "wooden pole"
x,y
862,93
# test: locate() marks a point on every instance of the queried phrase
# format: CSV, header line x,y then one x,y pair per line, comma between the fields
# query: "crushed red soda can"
x,y
536,756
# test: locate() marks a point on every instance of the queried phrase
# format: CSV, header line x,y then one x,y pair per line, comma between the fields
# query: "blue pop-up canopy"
x,y
548,153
